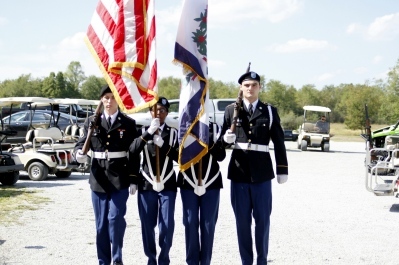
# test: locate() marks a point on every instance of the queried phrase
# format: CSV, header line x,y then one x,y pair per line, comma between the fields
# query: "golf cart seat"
x,y
308,126
76,131
68,131
50,139
52,133
30,135
72,132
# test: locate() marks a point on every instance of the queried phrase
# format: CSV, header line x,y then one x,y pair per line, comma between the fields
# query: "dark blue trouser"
x,y
252,199
155,206
109,211
200,214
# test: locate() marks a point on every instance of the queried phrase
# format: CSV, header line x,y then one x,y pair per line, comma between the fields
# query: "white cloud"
x,y
225,12
360,70
325,76
353,28
53,58
300,45
384,28
377,59
382,75
3,21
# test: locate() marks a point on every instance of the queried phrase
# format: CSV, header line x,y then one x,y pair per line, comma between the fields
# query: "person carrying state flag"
x,y
201,149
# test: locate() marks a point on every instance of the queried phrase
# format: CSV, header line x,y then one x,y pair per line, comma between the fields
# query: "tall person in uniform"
x,y
251,170
201,202
157,194
110,175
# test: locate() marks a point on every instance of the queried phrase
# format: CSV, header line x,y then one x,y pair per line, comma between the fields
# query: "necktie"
x,y
109,122
250,109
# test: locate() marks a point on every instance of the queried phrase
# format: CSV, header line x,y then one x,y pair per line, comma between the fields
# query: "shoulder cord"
x,y
270,116
165,165
192,184
217,129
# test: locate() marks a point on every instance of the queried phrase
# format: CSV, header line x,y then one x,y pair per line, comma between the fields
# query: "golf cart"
x,y
382,167
74,131
45,150
10,164
314,132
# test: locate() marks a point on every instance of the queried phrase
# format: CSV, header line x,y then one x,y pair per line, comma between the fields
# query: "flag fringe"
x,y
127,75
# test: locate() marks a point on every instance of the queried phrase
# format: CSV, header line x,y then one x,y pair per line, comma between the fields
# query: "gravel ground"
x,y
322,215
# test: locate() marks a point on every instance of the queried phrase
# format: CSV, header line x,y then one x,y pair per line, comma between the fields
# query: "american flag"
x,y
121,37
191,53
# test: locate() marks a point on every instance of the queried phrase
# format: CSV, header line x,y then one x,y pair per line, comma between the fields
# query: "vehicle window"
x,y
17,117
40,117
64,108
63,120
223,104
174,107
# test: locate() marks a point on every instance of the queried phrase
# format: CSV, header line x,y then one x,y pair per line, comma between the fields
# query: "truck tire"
x,y
37,171
63,174
9,178
304,145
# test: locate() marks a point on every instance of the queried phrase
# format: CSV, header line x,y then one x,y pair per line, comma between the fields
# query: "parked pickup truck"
x,y
73,109
216,113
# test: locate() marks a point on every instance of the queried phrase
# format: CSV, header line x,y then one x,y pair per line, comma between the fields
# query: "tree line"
x,y
347,101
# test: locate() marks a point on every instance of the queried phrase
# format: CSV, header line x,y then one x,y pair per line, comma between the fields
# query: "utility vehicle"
x,y
314,132
45,151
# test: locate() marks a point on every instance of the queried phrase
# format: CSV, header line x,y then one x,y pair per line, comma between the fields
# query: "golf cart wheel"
x,y
304,145
63,174
37,171
9,178
325,147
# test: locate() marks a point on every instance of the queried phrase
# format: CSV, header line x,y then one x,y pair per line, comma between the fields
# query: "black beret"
x,y
249,76
105,89
163,102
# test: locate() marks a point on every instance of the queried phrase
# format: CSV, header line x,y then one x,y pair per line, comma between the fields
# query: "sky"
x,y
297,42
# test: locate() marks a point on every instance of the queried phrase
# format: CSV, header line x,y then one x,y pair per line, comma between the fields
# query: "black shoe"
x,y
118,263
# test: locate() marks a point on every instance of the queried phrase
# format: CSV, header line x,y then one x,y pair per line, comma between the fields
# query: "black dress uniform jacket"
x,y
107,175
255,166
166,150
218,152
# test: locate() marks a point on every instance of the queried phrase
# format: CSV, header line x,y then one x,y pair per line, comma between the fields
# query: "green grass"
x,y
14,201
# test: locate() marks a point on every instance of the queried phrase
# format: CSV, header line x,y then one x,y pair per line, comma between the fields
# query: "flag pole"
x,y
158,180
200,172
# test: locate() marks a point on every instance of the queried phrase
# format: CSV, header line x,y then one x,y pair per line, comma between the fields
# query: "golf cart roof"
x,y
78,101
317,108
33,100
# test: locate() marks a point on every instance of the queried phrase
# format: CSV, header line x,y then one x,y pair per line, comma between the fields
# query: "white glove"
x,y
229,137
80,157
154,126
158,140
132,189
282,179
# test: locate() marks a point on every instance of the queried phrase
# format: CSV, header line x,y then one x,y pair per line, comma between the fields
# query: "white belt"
x,y
108,155
252,147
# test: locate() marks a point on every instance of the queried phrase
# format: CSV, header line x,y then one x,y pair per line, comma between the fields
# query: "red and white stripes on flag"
x,y
121,37
191,53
